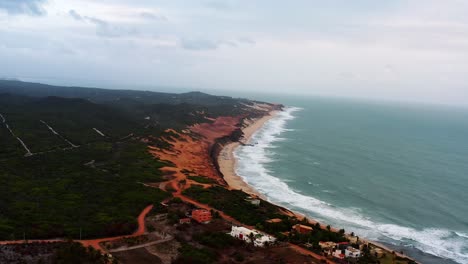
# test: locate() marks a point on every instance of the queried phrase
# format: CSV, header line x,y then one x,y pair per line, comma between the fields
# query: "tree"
x,y
328,227
252,237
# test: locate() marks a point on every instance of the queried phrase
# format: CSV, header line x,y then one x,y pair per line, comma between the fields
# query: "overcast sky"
x,y
399,50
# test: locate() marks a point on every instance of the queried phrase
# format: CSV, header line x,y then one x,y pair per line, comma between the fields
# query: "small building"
x,y
302,229
185,221
342,245
327,245
253,201
262,240
251,235
351,252
274,221
378,252
339,254
159,217
201,216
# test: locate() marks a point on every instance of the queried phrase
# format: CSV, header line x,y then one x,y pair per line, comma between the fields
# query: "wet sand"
x,y
227,161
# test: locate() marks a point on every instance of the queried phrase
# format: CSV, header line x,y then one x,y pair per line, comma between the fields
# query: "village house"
x,y
327,245
201,216
351,252
259,239
253,201
302,229
159,217
184,221
339,254
274,221
342,245
378,252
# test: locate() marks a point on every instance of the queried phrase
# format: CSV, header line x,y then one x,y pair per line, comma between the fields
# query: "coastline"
x,y
227,165
227,161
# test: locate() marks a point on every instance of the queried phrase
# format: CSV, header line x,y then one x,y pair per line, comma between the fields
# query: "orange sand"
x,y
227,161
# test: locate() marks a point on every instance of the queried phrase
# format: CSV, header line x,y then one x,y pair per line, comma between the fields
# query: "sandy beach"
x,y
227,161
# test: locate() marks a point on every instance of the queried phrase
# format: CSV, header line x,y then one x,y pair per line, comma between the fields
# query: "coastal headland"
x,y
208,150
136,169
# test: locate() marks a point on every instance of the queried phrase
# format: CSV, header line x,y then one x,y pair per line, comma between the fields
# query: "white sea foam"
x,y
251,166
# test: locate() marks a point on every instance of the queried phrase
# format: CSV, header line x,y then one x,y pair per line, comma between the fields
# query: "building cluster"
x,y
258,239
340,250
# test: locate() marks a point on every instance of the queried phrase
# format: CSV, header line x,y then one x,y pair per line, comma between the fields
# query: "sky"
x,y
413,50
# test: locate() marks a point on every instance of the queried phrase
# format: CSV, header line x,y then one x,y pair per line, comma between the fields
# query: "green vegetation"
x,y
57,194
205,246
87,177
234,204
316,236
216,240
201,179
75,253
191,254
53,253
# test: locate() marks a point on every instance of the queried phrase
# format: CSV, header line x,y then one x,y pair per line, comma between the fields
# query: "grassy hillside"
x,y
87,159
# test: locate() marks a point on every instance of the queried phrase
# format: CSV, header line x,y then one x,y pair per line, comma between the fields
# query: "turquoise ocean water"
x,y
394,173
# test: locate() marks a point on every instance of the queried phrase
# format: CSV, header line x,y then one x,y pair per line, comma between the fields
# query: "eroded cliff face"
x,y
196,148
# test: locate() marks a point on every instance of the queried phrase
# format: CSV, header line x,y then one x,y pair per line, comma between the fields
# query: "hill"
x,y
72,159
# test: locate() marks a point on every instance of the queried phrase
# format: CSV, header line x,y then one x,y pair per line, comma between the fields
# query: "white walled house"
x,y
351,252
338,253
241,233
259,239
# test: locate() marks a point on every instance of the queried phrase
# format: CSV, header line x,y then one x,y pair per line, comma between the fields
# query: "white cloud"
x,y
403,50
28,7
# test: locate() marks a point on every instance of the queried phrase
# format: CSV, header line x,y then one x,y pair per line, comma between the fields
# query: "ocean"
x,y
393,173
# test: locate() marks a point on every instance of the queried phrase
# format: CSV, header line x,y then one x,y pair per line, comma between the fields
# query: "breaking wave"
x,y
252,168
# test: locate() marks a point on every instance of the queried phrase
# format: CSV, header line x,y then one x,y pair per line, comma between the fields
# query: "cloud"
x,y
218,5
153,16
348,49
206,44
104,28
75,15
28,7
199,44
246,40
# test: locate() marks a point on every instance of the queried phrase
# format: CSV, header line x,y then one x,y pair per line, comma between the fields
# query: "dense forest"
x,y
72,159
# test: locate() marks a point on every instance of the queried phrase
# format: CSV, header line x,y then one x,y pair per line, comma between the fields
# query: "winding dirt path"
x,y
95,243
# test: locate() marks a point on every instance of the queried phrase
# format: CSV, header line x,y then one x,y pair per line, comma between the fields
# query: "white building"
x,y
351,252
259,239
338,254
253,201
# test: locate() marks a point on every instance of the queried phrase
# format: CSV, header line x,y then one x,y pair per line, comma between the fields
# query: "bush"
x,y
193,255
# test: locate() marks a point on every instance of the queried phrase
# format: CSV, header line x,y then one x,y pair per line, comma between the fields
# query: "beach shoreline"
x,y
227,161
227,166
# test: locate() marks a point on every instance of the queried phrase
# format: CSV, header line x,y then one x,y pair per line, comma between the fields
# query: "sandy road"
x,y
95,243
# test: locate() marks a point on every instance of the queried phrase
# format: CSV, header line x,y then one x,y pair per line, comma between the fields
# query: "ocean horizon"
x,y
391,173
